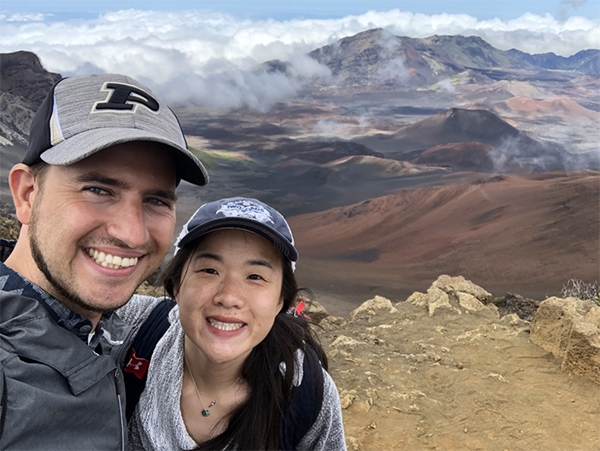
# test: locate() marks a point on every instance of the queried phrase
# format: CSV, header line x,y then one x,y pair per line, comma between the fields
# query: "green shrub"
x,y
579,289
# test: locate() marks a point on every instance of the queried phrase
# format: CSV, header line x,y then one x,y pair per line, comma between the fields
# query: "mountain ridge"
x,y
422,61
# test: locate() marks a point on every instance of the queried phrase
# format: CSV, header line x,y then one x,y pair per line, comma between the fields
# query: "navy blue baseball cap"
x,y
240,213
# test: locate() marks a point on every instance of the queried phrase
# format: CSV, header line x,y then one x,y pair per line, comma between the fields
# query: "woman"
x,y
234,370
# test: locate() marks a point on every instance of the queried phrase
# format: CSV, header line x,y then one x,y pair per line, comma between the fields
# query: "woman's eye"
x,y
209,270
255,277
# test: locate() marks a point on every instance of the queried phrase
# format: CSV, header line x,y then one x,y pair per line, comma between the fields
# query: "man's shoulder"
x,y
15,305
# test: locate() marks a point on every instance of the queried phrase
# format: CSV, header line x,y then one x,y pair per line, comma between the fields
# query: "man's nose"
x,y
129,224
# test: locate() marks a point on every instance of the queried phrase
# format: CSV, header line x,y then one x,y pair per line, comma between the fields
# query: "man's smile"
x,y
111,261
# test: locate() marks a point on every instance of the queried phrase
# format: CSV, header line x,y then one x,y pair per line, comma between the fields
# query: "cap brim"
x,y
268,233
82,145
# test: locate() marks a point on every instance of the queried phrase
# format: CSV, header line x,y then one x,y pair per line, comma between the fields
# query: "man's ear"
x,y
23,188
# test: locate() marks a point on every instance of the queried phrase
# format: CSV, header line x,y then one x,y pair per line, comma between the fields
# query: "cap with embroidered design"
x,y
240,213
85,114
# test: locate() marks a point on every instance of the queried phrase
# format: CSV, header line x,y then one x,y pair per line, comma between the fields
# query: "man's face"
x,y
101,226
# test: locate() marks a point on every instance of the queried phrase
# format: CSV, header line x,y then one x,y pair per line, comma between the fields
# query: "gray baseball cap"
x,y
240,213
83,115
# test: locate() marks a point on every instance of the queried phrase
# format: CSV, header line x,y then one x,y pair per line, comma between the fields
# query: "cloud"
x,y
574,3
329,129
521,155
446,85
566,6
211,58
394,71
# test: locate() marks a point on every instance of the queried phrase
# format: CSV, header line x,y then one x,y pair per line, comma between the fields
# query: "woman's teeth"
x,y
225,326
111,261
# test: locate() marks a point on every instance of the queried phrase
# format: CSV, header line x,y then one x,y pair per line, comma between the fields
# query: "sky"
x,y
206,50
313,9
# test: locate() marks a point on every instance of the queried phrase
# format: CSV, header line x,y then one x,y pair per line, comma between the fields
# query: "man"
x,y
95,195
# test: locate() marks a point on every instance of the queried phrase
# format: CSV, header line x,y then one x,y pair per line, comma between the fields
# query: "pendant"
x,y
205,412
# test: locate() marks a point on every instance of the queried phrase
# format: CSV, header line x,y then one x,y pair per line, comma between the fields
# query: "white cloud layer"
x,y
209,57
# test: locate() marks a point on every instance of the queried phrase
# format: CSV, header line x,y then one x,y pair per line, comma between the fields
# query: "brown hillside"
x,y
473,156
558,109
528,234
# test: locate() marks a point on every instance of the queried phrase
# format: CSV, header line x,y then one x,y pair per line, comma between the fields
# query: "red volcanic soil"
x,y
563,108
520,233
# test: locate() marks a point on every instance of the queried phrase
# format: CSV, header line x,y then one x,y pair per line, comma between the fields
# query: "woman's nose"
x,y
229,293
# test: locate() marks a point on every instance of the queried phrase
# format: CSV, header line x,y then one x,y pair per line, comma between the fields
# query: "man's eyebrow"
x,y
165,194
96,177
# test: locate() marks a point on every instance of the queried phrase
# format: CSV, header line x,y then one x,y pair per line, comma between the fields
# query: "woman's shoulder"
x,y
139,307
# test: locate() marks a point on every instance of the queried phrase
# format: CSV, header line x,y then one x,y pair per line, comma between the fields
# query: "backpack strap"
x,y
135,372
306,403
6,247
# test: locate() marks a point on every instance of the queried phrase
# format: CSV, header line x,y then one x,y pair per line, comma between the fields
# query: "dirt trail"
x,y
468,381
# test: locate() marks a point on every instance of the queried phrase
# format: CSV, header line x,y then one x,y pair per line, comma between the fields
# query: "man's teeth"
x,y
225,326
111,261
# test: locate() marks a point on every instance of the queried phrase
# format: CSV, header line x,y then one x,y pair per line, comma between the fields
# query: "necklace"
x,y
205,411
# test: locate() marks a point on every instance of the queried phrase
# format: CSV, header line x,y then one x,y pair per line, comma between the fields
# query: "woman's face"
x,y
229,295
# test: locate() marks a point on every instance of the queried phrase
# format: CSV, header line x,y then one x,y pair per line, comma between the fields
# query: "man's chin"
x,y
104,302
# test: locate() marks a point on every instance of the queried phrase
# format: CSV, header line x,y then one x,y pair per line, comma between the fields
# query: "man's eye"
x,y
97,190
158,202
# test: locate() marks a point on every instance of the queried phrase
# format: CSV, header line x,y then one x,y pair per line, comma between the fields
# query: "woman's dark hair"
x,y
256,423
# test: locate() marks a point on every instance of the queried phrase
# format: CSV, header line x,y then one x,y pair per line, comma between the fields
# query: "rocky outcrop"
x,y
24,84
451,293
22,74
570,329
446,371
9,226
370,308
15,118
515,303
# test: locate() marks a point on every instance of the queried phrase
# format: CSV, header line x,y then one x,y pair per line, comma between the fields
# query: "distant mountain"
x,y
561,108
378,57
22,74
458,125
323,151
488,144
23,85
585,61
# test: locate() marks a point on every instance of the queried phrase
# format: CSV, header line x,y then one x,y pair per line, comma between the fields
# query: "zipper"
x,y
117,379
4,405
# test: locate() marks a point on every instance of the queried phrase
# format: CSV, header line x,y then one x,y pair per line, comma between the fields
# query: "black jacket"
x,y
57,393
